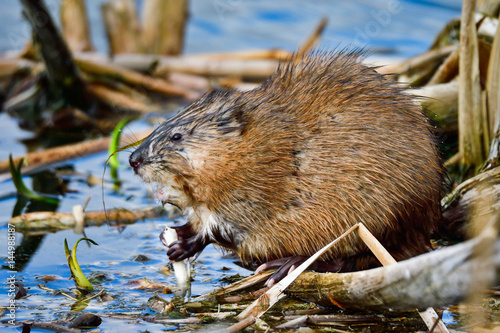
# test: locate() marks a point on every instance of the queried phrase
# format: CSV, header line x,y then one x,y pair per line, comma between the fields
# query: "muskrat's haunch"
x,y
282,170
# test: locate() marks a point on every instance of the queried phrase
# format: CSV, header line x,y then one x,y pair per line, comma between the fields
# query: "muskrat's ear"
x,y
232,120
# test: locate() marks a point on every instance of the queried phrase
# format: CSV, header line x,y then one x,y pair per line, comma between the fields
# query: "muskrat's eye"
x,y
176,137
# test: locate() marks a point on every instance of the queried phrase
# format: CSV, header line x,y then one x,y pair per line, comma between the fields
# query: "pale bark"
x,y
163,26
470,120
122,27
75,25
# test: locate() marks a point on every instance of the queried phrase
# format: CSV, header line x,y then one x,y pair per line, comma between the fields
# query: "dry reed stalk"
x,y
447,71
276,54
130,77
38,159
489,7
313,39
493,89
241,325
255,69
9,66
418,61
429,316
75,25
190,82
452,160
118,99
440,99
163,26
44,222
122,26
470,120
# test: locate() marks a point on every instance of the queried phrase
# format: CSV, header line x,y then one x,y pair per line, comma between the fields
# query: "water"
x,y
396,28
403,28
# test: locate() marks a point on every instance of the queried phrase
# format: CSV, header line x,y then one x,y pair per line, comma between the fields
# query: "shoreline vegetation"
x,y
457,82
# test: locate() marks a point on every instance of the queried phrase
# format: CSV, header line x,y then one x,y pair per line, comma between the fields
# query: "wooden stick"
x,y
9,66
491,176
163,26
470,120
55,327
313,38
255,69
75,25
239,326
120,100
44,222
418,61
46,157
374,245
122,27
129,77
245,283
276,54
447,71
452,160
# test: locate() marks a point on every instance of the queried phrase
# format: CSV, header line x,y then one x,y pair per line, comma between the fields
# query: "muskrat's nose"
x,y
136,159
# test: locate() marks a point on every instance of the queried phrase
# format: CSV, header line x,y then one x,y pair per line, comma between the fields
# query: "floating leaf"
x,y
76,272
22,189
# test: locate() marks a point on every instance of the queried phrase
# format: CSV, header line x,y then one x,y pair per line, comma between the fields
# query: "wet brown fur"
x,y
286,168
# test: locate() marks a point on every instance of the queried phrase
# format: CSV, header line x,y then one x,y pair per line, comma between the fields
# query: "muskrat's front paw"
x,y
184,248
184,231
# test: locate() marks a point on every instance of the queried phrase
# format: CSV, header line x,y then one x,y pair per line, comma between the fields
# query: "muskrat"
x,y
283,169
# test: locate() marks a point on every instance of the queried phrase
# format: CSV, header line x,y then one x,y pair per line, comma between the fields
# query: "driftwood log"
x,y
435,279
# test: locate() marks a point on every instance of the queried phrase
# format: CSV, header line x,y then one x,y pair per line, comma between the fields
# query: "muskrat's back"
x,y
284,169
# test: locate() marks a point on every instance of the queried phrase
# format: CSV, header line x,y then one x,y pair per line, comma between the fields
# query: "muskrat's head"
x,y
183,152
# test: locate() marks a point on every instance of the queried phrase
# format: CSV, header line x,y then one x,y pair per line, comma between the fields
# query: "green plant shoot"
x,y
21,188
115,142
76,272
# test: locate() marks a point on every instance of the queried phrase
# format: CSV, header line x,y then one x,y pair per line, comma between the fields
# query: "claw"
x,y
287,265
184,248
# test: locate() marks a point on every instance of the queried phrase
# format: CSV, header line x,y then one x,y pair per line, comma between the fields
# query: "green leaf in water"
x,y
115,142
76,272
113,147
21,188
